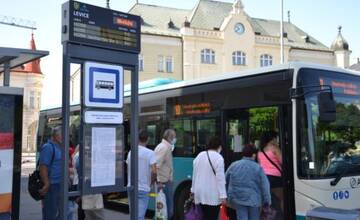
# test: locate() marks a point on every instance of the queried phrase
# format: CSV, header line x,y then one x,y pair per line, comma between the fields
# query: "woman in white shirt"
x,y
208,181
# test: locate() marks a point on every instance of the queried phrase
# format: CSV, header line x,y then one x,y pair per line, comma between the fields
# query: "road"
x,y
31,210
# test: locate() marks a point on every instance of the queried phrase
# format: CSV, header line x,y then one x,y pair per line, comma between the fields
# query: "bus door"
x,y
246,125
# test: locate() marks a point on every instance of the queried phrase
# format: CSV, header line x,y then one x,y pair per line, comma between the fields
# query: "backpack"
x,y
35,183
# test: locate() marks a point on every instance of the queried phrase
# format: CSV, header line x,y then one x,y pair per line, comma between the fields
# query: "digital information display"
x,y
100,27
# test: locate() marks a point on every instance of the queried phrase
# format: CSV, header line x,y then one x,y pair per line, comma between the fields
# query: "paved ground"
x,y
31,210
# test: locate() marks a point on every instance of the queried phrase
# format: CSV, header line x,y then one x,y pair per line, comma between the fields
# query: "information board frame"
x,y
79,52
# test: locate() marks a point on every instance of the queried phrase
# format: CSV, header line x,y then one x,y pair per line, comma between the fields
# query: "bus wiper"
x,y
337,179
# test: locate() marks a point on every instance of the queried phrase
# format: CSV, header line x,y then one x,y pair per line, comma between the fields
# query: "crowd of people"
x,y
248,187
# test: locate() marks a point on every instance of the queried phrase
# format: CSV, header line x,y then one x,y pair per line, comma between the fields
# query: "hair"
x,y
214,143
167,133
56,131
266,137
143,136
249,150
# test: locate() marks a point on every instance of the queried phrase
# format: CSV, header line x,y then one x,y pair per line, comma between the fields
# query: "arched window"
x,y
266,60
239,58
208,56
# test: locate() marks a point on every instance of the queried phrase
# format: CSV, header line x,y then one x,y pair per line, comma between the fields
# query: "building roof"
x,y
356,66
33,66
210,14
340,43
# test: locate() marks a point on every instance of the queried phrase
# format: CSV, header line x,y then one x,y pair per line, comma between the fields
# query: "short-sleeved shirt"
x,y
146,160
54,168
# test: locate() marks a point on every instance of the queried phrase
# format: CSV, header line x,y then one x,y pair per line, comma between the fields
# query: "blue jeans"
x,y
143,199
169,193
72,210
247,213
51,202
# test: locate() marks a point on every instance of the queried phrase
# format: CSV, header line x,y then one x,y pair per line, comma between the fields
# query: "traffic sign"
x,y
104,85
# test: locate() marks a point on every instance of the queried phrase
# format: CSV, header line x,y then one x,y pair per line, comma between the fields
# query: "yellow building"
x,y
219,37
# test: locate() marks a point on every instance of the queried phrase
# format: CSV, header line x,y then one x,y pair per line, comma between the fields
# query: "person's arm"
x,y
220,178
277,152
193,178
153,173
45,159
45,179
265,187
160,153
153,168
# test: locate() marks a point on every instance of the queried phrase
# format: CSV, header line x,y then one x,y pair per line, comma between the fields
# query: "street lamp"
x,y
282,33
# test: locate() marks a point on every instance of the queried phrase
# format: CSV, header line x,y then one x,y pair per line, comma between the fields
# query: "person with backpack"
x,y
208,181
50,173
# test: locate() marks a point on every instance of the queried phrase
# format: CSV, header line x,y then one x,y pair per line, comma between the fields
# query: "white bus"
x,y
315,109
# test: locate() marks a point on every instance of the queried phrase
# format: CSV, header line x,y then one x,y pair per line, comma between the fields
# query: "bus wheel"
x,y
181,196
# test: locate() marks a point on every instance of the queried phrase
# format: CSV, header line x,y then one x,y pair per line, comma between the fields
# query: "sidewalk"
x,y
30,209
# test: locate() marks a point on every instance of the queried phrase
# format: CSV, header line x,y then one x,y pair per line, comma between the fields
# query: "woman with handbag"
x,y
247,185
208,182
270,159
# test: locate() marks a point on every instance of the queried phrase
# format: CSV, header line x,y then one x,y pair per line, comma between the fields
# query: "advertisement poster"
x,y
6,171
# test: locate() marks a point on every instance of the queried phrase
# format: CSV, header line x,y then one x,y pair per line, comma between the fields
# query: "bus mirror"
x,y
327,107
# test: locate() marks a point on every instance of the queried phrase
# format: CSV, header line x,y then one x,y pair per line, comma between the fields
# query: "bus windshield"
x,y
329,149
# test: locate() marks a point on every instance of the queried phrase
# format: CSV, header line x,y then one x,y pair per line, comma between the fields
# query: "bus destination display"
x,y
101,27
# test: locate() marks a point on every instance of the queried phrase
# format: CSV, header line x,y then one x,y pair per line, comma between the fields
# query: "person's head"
x,y
249,151
268,137
143,137
56,134
170,136
214,143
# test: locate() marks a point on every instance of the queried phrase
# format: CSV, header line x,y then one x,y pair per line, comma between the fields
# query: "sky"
x,y
319,18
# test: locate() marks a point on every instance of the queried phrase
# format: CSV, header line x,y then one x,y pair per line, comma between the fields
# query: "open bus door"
x,y
245,126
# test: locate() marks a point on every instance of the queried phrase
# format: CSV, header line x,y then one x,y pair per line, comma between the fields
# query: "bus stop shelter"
x,y
11,58
11,109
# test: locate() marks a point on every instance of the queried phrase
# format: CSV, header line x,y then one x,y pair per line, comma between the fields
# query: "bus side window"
x,y
184,134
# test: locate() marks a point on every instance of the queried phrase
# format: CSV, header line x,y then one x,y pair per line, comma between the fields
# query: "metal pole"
x,y
282,33
134,144
7,73
65,133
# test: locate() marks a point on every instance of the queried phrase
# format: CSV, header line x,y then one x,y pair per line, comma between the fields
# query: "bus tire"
x,y
181,195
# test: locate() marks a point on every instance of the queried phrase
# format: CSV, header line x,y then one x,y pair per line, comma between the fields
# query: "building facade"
x,y
218,37
30,78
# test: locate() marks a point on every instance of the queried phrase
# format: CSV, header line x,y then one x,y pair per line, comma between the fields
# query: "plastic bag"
x,y
161,209
223,213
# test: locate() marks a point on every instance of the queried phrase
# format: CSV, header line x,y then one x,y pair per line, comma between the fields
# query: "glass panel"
x,y
205,129
184,135
151,129
330,149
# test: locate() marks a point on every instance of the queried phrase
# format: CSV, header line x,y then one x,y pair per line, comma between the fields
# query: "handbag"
x,y
194,212
35,183
268,213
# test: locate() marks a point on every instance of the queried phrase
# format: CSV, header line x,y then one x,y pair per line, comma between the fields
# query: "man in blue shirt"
x,y
50,172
